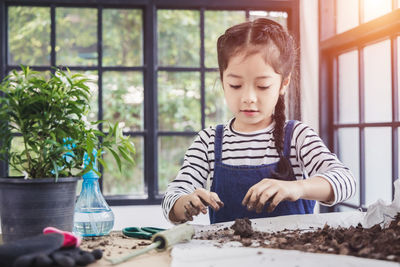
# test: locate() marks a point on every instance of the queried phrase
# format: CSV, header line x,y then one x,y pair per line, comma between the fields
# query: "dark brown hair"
x,y
279,48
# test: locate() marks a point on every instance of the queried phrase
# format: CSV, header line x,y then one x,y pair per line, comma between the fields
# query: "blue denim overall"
x,y
231,183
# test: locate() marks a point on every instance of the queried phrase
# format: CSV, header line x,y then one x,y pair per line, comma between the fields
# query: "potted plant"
x,y
48,116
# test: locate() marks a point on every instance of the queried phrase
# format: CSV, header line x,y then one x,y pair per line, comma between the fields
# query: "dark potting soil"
x,y
374,242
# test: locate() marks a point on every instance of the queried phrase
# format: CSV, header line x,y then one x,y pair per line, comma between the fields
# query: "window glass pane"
x,y
170,158
76,36
278,16
131,178
346,15
378,164
378,83
123,99
29,35
178,38
122,37
215,24
94,91
348,107
349,154
216,110
179,101
17,146
376,8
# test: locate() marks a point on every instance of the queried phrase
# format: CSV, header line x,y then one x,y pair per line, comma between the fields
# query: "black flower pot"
x,y
28,206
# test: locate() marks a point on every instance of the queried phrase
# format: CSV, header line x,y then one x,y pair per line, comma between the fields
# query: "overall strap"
x,y
218,142
288,138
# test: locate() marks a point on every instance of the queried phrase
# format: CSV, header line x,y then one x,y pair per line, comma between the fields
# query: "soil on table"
x,y
375,242
116,245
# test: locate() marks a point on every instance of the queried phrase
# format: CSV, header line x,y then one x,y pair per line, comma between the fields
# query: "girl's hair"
x,y
279,49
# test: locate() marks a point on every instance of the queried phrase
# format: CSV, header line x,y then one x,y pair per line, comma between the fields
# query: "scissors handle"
x,y
153,230
141,232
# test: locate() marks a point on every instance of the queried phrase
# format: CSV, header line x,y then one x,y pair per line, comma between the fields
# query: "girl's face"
x,y
251,88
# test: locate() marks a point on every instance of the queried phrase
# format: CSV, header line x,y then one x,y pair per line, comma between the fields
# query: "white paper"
x,y
211,253
197,254
383,213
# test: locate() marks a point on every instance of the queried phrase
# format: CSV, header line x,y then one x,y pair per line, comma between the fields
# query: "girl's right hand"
x,y
192,204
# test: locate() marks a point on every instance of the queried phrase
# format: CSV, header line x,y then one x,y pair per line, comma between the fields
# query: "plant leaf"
x,y
116,157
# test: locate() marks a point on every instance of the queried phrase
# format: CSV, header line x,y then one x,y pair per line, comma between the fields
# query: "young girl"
x,y
259,164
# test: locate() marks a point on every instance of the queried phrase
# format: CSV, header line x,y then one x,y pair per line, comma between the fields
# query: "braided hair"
x,y
279,49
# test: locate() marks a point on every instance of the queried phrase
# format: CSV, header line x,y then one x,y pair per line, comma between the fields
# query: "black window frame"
x,y
331,45
150,132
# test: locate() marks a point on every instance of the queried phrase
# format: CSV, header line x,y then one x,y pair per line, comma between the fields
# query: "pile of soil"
x,y
374,243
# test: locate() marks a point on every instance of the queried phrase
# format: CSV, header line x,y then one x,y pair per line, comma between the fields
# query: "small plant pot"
x,y
28,206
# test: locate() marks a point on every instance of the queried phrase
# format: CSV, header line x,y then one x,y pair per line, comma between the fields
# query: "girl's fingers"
x,y
265,196
187,214
217,200
275,201
191,208
209,198
251,198
246,198
198,204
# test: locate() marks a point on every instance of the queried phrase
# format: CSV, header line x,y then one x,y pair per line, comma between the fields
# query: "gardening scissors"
x,y
141,232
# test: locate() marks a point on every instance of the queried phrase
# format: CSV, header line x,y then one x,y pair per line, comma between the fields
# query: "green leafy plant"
x,y
50,116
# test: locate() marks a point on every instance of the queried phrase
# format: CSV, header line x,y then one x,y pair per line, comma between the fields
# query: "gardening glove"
x,y
65,257
69,257
26,250
46,250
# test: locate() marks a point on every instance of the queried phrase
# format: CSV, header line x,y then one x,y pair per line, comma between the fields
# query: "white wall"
x,y
309,62
152,215
146,216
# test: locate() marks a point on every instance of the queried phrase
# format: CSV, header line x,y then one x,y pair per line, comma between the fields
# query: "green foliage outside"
x,y
76,36
131,178
171,150
179,101
178,38
123,99
29,26
122,37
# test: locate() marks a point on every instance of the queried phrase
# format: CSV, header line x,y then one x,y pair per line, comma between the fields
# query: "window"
x,y
359,101
153,67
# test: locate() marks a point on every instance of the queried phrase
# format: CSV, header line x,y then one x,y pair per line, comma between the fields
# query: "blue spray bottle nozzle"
x,y
93,216
86,161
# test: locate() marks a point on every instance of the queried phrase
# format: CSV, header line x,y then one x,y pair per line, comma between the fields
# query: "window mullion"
x,y
362,120
395,109
150,101
202,67
3,54
53,37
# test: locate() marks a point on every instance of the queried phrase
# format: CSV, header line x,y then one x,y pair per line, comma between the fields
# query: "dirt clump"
x,y
242,227
374,242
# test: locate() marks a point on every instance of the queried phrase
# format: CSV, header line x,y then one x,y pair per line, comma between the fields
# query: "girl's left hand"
x,y
272,191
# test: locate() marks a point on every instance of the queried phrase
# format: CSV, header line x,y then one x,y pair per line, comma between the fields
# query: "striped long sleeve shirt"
x,y
308,156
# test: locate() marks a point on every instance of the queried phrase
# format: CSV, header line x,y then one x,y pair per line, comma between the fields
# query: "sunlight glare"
x,y
376,8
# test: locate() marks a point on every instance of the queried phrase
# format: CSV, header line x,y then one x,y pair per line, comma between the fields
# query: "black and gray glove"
x,y
45,250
